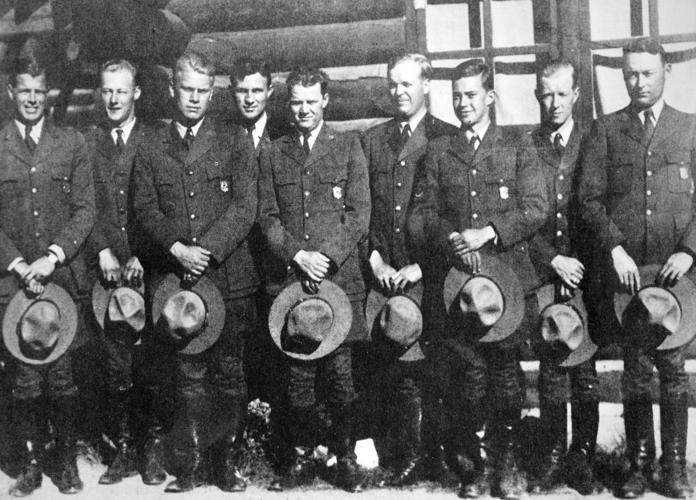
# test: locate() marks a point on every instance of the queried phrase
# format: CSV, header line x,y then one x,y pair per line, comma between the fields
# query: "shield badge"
x,y
224,186
504,193
337,192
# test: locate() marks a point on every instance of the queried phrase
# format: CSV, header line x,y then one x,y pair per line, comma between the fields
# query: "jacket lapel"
x,y
173,144
393,134
47,142
205,138
459,146
417,140
486,147
631,126
572,150
322,145
291,147
666,126
15,144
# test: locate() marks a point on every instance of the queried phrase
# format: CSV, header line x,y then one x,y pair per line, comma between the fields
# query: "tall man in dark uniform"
x,y
556,251
314,208
195,197
637,194
112,146
394,151
46,214
483,191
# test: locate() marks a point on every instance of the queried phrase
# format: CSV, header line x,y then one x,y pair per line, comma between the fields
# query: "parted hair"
x,y
27,64
246,66
423,63
197,62
556,65
114,65
649,45
307,77
474,67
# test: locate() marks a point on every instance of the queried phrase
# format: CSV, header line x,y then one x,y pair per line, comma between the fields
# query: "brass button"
x,y
190,172
648,212
649,173
191,194
474,216
32,169
33,190
306,237
306,215
193,216
403,163
37,234
397,208
648,192
559,233
560,196
398,184
473,193
122,211
397,230
473,171
36,213
194,239
120,192
306,193
560,177
559,215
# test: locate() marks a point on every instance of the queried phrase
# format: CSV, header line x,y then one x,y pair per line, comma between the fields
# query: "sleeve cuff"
x,y
14,263
58,252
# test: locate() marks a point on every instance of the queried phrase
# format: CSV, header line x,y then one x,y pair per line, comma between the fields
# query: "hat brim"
x,y
684,291
587,347
215,308
508,282
377,299
101,297
340,306
68,322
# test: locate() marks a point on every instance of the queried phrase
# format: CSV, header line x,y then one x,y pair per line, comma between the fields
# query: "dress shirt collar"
x,y
312,135
127,129
656,109
182,129
259,127
413,121
565,130
36,129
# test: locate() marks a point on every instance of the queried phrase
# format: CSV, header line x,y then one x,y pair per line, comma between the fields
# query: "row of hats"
x,y
488,307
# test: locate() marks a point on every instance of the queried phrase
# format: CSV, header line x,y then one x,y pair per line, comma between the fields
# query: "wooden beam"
x,y
584,59
208,16
636,9
362,42
654,21
475,38
492,52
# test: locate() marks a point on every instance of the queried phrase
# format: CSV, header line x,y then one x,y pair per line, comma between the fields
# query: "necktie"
x,y
119,140
558,143
250,133
188,138
305,143
29,140
473,141
648,127
405,134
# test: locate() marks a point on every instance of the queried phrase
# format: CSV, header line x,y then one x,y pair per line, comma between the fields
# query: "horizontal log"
x,y
39,22
362,42
204,16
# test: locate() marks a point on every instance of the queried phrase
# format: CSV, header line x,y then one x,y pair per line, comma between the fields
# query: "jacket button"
x,y
473,193
32,169
649,153
122,210
36,213
194,239
33,190
123,229
37,234
398,184
559,215
559,233
306,215
192,216
397,208
190,172
306,193
560,196
648,212
648,192
474,216
307,172
397,230
306,237
649,173
120,191
191,194
473,171
403,163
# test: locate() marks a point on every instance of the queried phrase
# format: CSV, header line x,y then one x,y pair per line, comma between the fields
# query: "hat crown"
x,y
401,320
185,313
39,328
128,306
661,306
561,323
481,296
311,318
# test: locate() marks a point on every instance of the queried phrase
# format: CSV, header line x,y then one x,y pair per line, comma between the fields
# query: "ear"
x,y
490,97
172,94
325,100
136,93
576,94
426,86
271,88
10,91
668,68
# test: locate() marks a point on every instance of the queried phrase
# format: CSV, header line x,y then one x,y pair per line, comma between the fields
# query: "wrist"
x,y
52,257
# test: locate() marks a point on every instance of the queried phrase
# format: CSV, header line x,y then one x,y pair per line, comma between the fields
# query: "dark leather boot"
x,y
475,462
26,417
580,458
348,475
640,442
194,473
435,466
410,421
301,469
153,472
554,420
68,481
231,479
124,463
510,482
674,420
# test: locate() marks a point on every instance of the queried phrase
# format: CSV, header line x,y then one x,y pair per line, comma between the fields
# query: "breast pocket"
x,y
10,188
218,179
501,190
620,174
288,193
62,176
166,193
332,187
679,175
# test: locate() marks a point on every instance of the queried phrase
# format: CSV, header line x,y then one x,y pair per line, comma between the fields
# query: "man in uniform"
x,y
195,198
637,195
483,191
314,208
46,214
557,253
394,151
112,245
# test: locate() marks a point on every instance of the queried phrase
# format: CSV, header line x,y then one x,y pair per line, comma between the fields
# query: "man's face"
x,y
119,93
408,88
557,97
307,106
193,92
471,100
251,95
644,75
29,96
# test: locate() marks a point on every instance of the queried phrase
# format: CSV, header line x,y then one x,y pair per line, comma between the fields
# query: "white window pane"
x,y
513,23
677,16
515,102
447,27
610,19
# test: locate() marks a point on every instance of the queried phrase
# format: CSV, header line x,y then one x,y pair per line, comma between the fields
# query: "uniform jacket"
x,y
45,198
321,203
114,225
391,182
639,195
500,184
562,232
206,196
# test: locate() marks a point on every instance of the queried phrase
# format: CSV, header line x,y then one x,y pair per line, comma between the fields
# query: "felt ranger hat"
x,y
38,330
657,317
189,314
120,311
488,306
397,319
562,327
309,326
